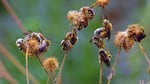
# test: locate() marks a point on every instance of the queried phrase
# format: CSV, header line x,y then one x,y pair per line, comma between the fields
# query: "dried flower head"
x,y
123,41
102,3
35,42
104,56
51,64
78,19
136,32
88,12
148,70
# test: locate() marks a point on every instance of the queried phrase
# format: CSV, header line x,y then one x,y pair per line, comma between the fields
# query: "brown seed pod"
x,y
88,12
136,32
102,3
104,56
123,41
51,64
35,42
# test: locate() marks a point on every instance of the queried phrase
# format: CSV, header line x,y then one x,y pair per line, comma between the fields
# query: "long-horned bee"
x,y
34,42
104,56
108,28
70,39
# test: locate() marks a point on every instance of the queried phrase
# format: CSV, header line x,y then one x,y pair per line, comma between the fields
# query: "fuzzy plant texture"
x,y
52,19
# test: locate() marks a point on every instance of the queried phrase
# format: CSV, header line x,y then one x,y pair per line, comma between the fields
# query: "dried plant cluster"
x,y
35,44
125,39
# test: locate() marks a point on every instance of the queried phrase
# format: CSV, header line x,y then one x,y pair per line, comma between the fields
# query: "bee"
x,y
88,12
66,45
70,39
35,42
99,43
108,28
104,56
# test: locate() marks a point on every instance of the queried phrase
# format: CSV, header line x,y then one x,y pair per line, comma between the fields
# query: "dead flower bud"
x,y
104,56
88,12
136,32
123,41
51,64
102,3
35,42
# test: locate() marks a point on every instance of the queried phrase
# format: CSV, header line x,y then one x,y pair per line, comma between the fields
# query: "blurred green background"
x,y
81,66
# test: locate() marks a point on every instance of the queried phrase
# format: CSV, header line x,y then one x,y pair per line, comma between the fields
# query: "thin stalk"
x,y
62,65
93,5
114,66
100,73
48,74
145,54
15,62
27,70
14,16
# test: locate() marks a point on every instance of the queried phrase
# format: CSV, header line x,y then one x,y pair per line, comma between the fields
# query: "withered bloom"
x,y
122,40
51,64
136,32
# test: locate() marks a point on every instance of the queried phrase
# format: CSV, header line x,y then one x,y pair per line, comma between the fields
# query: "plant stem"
x,y
100,73
145,54
14,16
48,74
27,72
114,66
62,65
15,62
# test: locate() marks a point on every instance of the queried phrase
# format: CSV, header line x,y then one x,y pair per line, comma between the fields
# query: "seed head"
x,y
136,32
51,64
123,41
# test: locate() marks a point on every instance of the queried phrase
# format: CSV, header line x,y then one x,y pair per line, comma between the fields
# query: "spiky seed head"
x,y
123,41
51,64
136,32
